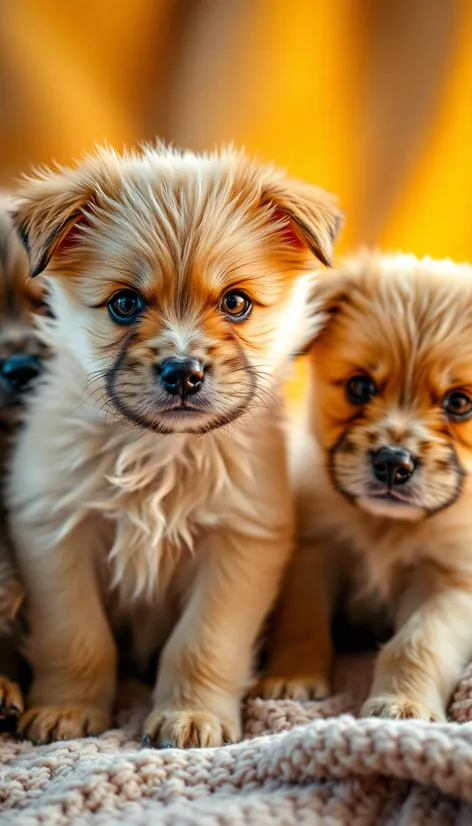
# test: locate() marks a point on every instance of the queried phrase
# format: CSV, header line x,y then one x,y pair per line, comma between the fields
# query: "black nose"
x,y
19,371
181,377
393,465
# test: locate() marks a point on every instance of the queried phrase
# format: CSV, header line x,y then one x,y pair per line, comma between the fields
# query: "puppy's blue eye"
x,y
457,406
360,389
125,306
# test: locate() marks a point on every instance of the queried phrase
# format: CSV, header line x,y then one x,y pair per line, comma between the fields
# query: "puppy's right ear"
x,y
329,292
49,210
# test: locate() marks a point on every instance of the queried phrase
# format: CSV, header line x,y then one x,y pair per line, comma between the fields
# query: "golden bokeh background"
x,y
371,99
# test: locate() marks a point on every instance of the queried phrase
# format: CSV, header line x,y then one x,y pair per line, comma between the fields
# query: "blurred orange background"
x,y
371,99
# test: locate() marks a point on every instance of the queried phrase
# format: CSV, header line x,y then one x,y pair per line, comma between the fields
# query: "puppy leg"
x,y
12,591
11,696
205,666
300,647
70,649
12,594
417,671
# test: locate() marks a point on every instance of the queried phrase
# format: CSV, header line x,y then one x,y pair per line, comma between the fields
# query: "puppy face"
x,y
21,351
178,281
393,383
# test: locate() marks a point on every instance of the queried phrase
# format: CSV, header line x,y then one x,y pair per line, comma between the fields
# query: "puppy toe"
x,y
300,688
11,698
399,708
49,723
188,729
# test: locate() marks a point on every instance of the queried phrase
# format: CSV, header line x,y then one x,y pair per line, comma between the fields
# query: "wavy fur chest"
x,y
149,499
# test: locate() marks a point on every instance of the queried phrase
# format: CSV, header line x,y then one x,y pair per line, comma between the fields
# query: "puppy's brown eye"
x,y
125,306
360,389
236,305
457,405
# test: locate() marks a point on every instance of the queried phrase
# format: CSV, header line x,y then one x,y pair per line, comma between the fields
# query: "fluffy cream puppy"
x,y
149,488
383,475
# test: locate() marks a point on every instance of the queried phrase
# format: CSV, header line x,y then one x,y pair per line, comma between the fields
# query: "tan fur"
x,y
406,323
127,513
20,299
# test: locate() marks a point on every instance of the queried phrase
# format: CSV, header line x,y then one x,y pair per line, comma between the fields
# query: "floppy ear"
x,y
48,208
329,291
309,217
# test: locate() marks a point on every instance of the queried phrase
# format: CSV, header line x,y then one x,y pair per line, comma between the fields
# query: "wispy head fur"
x,y
179,232
403,325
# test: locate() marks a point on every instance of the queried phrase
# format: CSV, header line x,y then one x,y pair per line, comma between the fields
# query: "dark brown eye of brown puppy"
x,y
457,405
125,306
360,389
236,305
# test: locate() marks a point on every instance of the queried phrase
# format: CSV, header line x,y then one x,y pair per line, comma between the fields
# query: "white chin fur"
x,y
187,423
390,510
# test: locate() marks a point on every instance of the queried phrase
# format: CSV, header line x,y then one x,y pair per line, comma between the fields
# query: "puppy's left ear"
x,y
307,217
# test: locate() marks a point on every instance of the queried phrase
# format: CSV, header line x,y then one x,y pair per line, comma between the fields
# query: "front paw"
x,y
394,707
44,724
189,729
300,688
11,698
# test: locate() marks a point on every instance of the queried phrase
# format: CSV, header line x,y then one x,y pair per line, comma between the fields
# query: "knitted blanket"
x,y
300,764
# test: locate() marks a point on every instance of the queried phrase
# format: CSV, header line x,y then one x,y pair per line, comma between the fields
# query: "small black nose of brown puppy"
x,y
20,370
181,377
393,465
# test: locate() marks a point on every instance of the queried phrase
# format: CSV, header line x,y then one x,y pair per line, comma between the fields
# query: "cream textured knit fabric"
x,y
301,764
